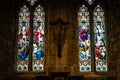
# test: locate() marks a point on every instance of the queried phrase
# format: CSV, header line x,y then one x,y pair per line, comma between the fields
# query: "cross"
x,y
60,29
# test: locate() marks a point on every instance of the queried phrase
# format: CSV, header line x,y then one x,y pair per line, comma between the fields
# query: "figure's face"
x,y
35,47
23,28
84,27
98,26
102,36
19,50
101,42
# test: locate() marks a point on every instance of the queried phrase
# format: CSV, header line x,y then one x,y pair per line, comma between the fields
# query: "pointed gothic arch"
x,y
95,59
31,37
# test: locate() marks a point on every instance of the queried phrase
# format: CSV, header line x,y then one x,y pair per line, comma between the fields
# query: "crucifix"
x,y
60,29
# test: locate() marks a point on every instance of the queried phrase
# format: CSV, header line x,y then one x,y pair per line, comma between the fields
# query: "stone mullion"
x,y
31,39
46,45
92,40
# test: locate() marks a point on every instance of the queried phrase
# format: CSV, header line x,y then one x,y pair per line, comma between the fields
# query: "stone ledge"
x,y
59,69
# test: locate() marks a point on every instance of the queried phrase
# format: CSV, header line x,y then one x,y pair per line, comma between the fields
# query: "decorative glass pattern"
x,y
23,39
38,39
84,39
100,39
90,2
32,2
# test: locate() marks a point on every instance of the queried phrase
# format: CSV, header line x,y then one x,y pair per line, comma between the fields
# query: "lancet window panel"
x,y
31,33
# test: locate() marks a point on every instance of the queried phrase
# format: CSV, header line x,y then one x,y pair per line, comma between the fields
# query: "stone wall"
x,y
6,38
113,35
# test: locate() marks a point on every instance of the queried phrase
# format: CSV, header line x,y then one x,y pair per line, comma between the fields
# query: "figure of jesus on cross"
x,y
60,29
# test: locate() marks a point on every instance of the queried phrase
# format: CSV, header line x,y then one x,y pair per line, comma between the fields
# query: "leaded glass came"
x,y
84,39
38,39
100,39
23,39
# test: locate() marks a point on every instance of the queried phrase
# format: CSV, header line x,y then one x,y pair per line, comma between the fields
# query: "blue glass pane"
x,y
23,39
38,39
84,39
100,39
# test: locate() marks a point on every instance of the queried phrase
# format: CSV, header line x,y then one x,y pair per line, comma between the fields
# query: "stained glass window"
x,y
90,1
38,39
84,39
23,39
32,1
100,39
